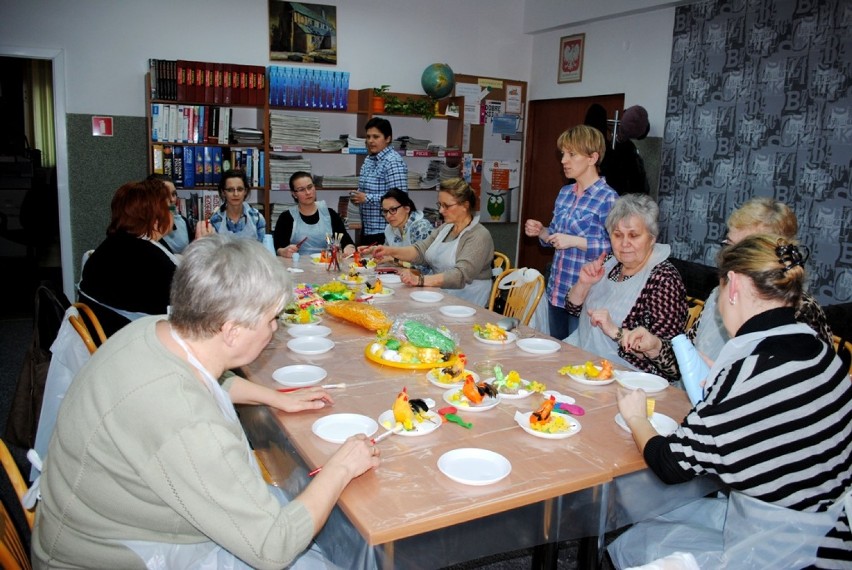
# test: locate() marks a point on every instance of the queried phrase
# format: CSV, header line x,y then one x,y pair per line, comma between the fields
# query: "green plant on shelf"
x,y
394,105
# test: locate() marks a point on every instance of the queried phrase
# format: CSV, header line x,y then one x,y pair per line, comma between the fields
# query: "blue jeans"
x,y
561,322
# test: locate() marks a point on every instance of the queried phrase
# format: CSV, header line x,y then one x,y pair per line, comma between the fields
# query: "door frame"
x,y
57,58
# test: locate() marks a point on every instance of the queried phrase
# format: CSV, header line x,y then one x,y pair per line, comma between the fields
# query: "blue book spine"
x,y
208,165
261,166
189,167
217,164
199,166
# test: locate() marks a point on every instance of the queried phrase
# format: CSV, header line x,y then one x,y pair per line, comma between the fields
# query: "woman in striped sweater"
x,y
775,427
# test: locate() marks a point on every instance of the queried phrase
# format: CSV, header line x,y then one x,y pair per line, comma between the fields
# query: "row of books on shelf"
x,y
307,88
194,166
199,205
190,123
207,82
448,153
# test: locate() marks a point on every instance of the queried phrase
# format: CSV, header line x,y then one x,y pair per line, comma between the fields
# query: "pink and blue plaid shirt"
x,y
584,217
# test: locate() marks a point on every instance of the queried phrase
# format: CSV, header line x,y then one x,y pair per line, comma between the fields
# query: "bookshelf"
x,y
253,109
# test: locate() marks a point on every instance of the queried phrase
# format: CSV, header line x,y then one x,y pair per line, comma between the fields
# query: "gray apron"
x,y
711,335
250,229
441,256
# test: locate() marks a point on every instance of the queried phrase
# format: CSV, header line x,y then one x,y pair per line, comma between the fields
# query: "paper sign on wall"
x,y
101,126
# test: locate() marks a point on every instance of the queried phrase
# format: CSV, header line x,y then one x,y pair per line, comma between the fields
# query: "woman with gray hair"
x,y
635,286
149,462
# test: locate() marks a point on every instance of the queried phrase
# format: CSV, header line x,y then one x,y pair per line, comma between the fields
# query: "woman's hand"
x,y
410,277
355,456
348,250
631,404
601,318
287,251
592,272
533,228
562,241
314,398
382,251
642,341
204,228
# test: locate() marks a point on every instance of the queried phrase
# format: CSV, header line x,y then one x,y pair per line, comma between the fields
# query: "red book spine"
x,y
208,82
261,85
227,85
252,86
244,85
181,80
218,83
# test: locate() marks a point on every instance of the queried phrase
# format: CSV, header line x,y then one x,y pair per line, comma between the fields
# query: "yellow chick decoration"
x,y
405,411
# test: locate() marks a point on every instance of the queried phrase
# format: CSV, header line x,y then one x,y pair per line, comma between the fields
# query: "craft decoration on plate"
x,y
651,383
493,334
300,317
512,387
377,289
473,396
321,258
337,428
539,345
307,295
589,373
457,311
474,466
351,279
413,344
367,316
299,375
335,291
556,427
412,414
453,374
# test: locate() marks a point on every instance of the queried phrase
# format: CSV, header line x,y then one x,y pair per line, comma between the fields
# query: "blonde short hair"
x,y
583,139
765,215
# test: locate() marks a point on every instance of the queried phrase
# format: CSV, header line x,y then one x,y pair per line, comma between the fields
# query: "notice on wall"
x,y
513,99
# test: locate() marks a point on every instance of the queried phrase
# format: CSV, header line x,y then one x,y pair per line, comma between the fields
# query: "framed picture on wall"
x,y
300,32
571,58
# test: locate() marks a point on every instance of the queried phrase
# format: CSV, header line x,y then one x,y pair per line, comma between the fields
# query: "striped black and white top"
x,y
776,425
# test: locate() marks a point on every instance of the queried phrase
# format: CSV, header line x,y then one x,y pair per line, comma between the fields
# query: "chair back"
x,y
694,311
501,263
522,296
13,555
16,480
79,322
843,348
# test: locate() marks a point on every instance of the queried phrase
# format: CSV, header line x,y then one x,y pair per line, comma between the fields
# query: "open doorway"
x,y
35,232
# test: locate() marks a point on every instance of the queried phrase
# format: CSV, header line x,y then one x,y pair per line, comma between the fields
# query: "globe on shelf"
x,y
438,80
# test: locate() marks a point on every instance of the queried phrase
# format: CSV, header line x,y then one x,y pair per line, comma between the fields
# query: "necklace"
x,y
617,274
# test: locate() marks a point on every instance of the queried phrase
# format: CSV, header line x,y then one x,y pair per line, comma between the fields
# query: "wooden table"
x,y
407,513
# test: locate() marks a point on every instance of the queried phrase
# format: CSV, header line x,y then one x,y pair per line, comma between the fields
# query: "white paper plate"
x,y
520,395
390,278
510,338
651,383
539,345
310,345
662,423
560,397
432,377
523,419
315,320
457,311
474,466
420,428
299,375
581,378
465,405
348,281
308,330
385,293
337,428
426,296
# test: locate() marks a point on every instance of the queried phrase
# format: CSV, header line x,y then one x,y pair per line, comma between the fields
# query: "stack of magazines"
x,y
294,131
281,166
247,136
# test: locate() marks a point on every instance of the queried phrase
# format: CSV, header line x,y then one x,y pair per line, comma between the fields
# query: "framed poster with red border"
x,y
571,58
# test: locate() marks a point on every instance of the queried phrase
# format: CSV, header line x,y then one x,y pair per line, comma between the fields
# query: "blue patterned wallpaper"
x,y
759,104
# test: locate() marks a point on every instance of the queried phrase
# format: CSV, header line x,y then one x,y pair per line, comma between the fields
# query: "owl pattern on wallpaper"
x,y
760,104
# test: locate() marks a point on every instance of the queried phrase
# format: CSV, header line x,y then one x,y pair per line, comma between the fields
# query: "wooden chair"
x,y
501,264
82,328
694,311
13,555
521,300
16,480
843,348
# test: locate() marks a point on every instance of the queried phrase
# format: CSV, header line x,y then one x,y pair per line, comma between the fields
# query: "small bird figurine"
x,y
476,392
405,410
542,415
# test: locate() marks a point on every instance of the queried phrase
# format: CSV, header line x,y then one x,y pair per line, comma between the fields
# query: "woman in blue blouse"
x,y
576,231
235,215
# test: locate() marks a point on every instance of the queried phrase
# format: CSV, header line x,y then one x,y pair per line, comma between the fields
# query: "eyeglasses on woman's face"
x,y
306,188
235,190
390,211
442,206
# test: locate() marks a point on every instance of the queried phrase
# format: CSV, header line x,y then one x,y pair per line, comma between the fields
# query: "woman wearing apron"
x,y
149,467
235,215
775,426
460,252
305,227
637,286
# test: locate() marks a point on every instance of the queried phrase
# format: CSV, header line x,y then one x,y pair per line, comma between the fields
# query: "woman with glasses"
x,y
576,231
708,334
406,225
235,215
459,253
304,227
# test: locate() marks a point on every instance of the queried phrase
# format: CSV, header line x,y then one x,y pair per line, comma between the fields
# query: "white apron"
x,y
209,555
316,233
753,533
441,256
618,298
178,238
711,335
248,231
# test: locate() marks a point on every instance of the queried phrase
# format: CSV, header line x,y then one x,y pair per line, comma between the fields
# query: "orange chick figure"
x,y
476,392
406,410
542,415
